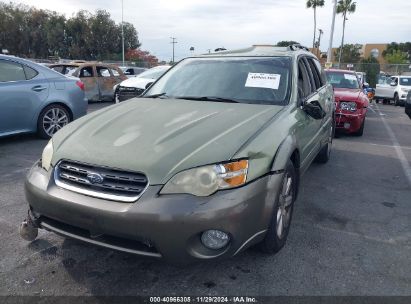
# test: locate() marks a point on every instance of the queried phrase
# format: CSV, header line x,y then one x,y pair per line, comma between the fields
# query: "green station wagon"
x,y
205,164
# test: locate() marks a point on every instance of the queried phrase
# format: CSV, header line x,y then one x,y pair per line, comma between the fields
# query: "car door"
x,y
87,75
308,128
106,81
22,91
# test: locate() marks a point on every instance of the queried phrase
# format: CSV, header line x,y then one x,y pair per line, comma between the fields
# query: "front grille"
x,y
139,246
102,182
128,92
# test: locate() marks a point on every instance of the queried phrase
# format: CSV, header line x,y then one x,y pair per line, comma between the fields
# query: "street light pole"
x,y
330,46
122,28
173,42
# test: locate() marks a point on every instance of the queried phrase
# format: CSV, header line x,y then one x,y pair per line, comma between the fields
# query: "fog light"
x,y
214,239
347,125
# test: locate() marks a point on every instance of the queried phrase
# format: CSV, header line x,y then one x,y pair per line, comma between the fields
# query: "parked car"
x,y
351,102
207,163
132,71
98,78
34,98
408,104
134,87
394,88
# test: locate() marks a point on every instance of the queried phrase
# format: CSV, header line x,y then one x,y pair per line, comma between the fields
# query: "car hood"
x,y
161,137
347,94
136,82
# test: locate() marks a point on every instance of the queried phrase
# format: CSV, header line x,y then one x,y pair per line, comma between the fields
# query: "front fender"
x,y
284,153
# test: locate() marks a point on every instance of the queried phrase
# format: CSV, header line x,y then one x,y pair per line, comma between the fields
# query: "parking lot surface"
x,y
350,234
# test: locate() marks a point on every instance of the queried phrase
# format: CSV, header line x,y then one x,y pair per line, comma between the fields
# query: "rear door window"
x,y
103,72
11,71
316,73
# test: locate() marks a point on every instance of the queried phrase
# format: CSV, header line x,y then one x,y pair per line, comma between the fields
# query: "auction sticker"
x,y
263,80
350,77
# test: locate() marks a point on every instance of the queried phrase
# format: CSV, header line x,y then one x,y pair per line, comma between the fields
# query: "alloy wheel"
x,y
285,203
53,120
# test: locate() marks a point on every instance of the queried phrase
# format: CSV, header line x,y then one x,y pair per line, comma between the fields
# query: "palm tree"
x,y
344,7
314,4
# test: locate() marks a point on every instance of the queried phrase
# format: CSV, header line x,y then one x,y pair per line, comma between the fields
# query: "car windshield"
x,y
153,73
405,81
343,80
256,80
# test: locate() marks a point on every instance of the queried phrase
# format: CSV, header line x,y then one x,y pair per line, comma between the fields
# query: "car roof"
x,y
47,71
262,51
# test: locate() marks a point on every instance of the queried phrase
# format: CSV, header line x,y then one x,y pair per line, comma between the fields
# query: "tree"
x,y
286,43
29,32
350,53
371,67
393,46
397,57
314,4
345,7
141,57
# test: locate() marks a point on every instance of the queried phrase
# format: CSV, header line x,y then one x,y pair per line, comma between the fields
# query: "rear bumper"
x,y
167,226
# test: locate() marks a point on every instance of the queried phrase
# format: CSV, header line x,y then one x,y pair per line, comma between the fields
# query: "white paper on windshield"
x,y
350,77
263,80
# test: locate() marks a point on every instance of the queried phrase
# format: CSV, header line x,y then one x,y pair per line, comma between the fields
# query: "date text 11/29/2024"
x,y
203,299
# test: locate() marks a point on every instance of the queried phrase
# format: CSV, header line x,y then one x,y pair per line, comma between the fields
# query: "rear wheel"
x,y
282,212
51,119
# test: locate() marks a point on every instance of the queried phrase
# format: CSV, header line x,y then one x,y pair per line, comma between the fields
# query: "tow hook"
x,y
28,229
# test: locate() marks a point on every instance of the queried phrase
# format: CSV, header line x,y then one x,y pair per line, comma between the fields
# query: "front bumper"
x,y
167,226
348,122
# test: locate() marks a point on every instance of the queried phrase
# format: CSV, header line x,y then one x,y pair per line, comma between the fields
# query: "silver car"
x,y
34,98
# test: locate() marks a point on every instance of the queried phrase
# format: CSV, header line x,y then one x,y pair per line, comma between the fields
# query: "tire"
x,y
282,212
360,131
325,152
51,119
396,100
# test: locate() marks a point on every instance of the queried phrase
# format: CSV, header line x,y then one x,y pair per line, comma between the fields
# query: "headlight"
x,y
348,106
204,181
47,156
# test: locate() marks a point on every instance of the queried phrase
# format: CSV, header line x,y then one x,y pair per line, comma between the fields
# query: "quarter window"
x,y
30,73
10,71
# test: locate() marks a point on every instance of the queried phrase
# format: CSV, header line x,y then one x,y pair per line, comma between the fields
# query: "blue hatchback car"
x,y
34,98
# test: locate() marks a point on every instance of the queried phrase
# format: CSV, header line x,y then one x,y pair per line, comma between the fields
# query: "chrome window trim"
x,y
106,196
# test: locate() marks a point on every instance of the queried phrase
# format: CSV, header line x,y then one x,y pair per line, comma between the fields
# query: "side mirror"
x,y
314,109
393,84
148,85
127,73
365,85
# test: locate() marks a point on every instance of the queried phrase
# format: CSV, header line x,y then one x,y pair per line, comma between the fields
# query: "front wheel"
x,y
325,152
282,212
396,100
360,131
51,119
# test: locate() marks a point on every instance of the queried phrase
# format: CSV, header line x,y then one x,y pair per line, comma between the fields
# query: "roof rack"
x,y
295,47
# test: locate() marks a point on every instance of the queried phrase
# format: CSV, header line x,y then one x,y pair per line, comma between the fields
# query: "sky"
x,y
209,24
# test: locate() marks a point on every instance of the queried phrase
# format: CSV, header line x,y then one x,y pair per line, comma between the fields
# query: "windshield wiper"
x,y
156,95
208,98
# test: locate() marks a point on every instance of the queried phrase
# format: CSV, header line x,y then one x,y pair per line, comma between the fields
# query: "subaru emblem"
x,y
95,178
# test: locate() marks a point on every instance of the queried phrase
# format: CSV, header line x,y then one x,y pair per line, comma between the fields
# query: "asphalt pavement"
x,y
350,234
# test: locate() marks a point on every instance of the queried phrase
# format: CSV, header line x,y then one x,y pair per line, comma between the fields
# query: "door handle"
x,y
39,88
